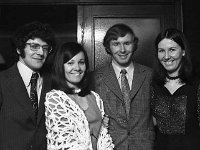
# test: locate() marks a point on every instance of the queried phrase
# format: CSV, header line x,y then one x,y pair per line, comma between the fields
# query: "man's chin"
x,y
125,63
37,67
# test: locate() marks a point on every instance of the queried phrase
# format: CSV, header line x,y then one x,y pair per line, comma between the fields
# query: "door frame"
x,y
88,13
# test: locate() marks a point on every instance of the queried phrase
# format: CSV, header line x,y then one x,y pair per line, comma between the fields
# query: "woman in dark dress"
x,y
175,94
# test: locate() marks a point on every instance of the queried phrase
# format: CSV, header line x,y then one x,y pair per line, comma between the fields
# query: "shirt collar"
x,y
118,69
25,73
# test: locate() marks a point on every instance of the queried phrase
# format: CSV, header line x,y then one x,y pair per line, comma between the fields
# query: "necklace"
x,y
173,78
76,91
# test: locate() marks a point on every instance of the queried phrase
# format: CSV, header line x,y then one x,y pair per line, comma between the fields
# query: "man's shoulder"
x,y
102,69
143,67
98,73
9,71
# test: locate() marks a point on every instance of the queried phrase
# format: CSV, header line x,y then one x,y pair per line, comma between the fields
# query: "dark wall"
x,y
63,18
191,27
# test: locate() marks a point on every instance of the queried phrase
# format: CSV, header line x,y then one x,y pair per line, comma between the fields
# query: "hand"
x,y
105,120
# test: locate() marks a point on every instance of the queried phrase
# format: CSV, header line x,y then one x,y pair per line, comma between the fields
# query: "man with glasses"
x,y
23,87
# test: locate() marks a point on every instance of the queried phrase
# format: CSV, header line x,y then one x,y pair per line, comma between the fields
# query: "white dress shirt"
x,y
129,74
26,74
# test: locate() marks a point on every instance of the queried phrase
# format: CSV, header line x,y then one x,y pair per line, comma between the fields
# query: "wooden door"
x,y
147,20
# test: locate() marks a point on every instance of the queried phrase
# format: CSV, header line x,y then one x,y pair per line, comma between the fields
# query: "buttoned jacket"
x,y
136,131
18,128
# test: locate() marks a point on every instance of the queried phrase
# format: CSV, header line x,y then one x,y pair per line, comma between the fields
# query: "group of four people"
x,y
122,106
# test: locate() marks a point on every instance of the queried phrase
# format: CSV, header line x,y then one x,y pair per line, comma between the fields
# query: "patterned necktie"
x,y
125,90
33,93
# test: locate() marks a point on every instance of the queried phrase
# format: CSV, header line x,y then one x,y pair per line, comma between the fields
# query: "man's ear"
x,y
183,53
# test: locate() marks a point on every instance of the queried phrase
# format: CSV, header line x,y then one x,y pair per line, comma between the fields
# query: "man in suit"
x,y
130,122
22,118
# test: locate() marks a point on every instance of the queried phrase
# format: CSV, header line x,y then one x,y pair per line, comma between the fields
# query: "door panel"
x,y
146,21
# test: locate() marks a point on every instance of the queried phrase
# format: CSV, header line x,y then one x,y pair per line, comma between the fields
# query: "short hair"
x,y
116,31
185,71
33,30
65,53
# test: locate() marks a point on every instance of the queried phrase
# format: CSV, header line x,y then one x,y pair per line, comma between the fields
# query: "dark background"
x,y
63,18
191,28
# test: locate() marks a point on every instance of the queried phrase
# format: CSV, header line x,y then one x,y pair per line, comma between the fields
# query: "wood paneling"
x,y
82,1
146,20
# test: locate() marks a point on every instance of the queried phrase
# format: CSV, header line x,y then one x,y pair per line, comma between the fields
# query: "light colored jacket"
x,y
133,131
67,124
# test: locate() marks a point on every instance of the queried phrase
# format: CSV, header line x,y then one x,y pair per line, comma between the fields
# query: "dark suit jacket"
x,y
18,128
135,132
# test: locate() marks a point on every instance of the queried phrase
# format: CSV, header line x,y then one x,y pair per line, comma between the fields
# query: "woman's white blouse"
x,y
67,125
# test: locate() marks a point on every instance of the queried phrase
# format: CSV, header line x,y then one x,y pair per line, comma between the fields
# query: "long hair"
x,y
65,53
185,72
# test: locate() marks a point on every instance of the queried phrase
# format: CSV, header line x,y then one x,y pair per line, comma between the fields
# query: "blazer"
x,y
67,125
135,132
18,128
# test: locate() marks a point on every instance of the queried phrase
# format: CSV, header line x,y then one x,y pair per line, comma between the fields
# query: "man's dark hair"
x,y
33,30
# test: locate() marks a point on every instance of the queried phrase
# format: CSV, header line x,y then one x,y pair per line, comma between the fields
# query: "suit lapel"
x,y
110,79
19,92
45,89
138,78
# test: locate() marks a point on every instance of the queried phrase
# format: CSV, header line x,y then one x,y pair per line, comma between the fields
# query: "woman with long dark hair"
x,y
175,99
75,118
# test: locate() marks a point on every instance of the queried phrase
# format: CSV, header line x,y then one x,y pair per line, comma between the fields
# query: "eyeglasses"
x,y
35,47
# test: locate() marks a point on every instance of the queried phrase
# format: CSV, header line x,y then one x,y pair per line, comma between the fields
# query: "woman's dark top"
x,y
177,117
